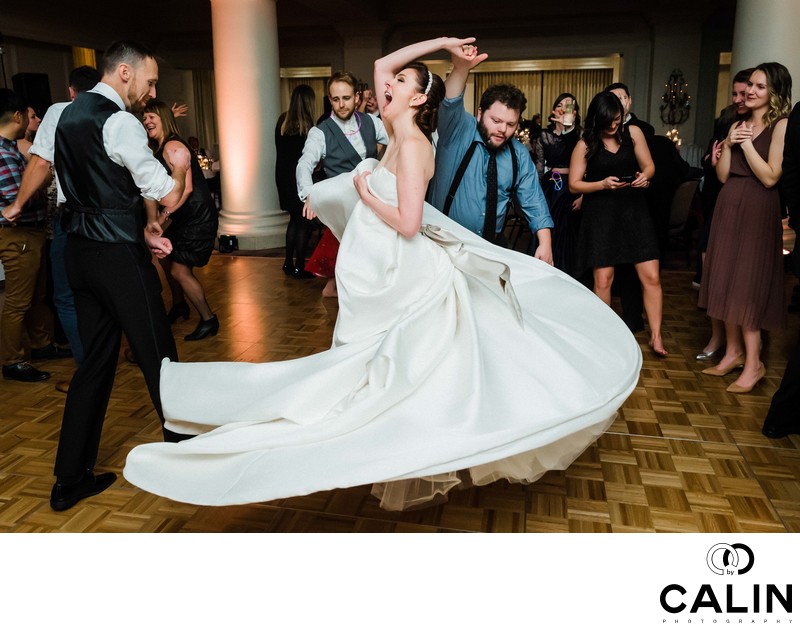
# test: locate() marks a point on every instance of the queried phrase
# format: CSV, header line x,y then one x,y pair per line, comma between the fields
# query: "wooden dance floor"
x,y
683,456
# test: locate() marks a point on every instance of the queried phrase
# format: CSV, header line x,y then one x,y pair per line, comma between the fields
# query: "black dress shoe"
x,y
64,496
51,351
23,371
288,269
204,329
778,432
179,310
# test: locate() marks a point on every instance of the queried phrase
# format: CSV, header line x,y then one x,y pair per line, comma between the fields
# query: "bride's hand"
x,y
463,52
307,212
360,182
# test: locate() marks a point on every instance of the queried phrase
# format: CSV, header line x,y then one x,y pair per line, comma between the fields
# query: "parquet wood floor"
x,y
683,456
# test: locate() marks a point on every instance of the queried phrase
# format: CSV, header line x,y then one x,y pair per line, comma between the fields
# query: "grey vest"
x,y
340,157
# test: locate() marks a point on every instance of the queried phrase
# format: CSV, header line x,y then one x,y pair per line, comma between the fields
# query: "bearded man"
x,y
481,166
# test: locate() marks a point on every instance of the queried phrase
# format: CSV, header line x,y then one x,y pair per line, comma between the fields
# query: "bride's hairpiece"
x,y
430,83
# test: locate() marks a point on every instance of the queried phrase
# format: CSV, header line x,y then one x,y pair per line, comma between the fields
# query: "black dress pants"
x,y
116,289
784,411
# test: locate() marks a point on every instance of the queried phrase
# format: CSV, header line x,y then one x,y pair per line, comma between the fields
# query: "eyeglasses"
x,y
555,178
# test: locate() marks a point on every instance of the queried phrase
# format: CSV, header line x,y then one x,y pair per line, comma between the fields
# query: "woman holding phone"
x,y
611,167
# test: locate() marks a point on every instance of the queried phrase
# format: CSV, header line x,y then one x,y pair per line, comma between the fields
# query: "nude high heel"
x,y
716,372
735,389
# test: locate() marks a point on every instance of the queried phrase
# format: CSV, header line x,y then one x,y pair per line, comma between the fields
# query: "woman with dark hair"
x,y
743,273
557,142
191,225
436,358
611,167
290,136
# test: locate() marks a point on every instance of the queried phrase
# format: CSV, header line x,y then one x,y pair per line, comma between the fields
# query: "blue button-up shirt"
x,y
457,130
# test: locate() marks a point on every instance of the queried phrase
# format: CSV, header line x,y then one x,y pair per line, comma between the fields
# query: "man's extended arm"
x,y
533,203
464,59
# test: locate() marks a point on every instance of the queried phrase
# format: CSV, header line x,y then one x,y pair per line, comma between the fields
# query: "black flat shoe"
x,y
301,273
23,371
288,269
179,310
64,496
204,329
778,432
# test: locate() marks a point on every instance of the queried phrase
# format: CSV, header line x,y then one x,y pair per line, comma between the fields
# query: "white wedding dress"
x,y
451,359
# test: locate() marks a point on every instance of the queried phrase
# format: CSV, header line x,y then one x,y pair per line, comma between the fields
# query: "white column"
x,y
247,80
766,30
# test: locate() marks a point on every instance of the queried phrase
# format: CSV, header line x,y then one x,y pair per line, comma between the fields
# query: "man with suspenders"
x,y
480,166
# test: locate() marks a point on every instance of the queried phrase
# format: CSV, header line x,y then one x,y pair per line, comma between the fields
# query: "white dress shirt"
x,y
124,140
314,148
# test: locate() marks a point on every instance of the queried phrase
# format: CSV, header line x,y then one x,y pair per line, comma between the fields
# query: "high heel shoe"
x,y
179,310
704,356
716,372
301,273
736,389
204,329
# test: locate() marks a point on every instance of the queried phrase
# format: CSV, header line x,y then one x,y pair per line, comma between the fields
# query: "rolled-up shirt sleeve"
x,y
529,193
44,145
125,142
381,136
313,152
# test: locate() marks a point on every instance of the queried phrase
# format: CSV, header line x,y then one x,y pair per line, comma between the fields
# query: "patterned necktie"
x,y
490,221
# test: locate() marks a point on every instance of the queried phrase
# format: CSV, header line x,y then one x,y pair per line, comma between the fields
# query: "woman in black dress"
x,y
191,225
611,168
290,136
557,142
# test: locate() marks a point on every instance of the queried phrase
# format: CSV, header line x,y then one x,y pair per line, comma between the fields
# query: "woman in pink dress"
x,y
743,277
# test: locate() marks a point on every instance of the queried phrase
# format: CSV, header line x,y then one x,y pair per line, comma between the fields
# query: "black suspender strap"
x,y
514,168
462,168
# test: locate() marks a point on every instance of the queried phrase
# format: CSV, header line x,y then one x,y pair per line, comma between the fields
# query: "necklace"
x,y
356,130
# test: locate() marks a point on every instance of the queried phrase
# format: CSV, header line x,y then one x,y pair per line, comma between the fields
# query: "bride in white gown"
x,y
452,359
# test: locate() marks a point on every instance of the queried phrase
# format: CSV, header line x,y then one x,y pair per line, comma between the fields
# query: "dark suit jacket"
x,y
647,129
790,182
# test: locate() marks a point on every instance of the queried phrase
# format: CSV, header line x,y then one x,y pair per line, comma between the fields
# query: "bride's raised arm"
x,y
387,67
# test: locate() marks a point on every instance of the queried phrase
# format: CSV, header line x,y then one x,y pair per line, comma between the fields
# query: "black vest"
x,y
103,202
340,157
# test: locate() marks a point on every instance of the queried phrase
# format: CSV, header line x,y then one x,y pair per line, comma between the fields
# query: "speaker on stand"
x,y
34,89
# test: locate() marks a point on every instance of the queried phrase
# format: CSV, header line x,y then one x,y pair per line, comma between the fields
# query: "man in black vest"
x,y
339,143
342,140
105,169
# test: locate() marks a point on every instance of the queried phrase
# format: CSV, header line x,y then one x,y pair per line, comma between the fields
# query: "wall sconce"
x,y
675,103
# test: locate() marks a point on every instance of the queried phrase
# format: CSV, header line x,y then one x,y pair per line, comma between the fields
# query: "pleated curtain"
x,y
206,110
542,87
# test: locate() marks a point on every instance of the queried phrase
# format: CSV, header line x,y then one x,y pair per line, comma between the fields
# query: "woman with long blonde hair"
x,y
743,276
290,137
